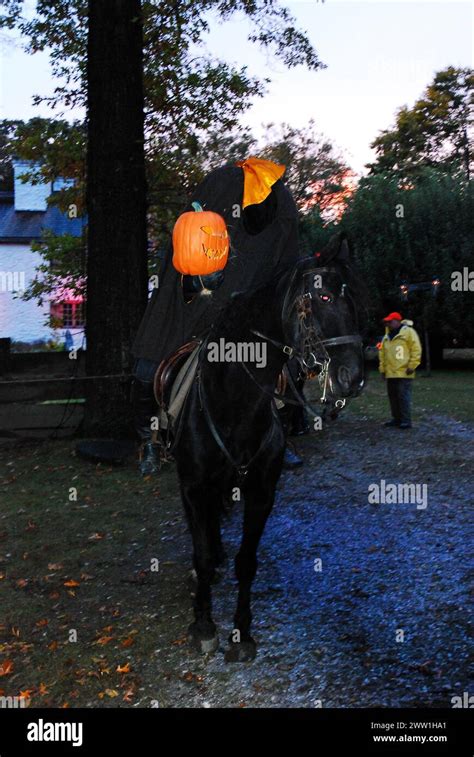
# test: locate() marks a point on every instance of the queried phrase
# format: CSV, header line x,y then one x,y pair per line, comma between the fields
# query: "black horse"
x,y
232,438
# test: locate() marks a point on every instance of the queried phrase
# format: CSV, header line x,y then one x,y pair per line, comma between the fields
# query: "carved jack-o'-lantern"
x,y
200,242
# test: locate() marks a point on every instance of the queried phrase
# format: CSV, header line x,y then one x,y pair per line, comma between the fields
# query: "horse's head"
x,y
321,318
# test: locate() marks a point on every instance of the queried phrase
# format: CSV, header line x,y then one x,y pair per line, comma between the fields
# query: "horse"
x,y
232,439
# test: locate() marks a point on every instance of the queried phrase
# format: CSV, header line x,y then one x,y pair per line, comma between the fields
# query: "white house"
x,y
24,215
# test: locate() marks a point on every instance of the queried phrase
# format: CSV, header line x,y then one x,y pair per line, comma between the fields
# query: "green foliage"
x,y
63,263
7,131
313,168
56,148
189,94
436,131
412,235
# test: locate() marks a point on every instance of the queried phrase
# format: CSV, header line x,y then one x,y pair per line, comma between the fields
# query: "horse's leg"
x,y
217,547
200,512
259,498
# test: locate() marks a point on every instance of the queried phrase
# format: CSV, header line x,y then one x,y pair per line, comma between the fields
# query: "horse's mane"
x,y
244,305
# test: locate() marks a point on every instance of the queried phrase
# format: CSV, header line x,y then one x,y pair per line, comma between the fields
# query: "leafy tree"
x,y
56,148
7,131
414,235
435,132
314,169
187,91
184,94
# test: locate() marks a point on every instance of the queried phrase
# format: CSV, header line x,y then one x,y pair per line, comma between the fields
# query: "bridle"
x,y
312,355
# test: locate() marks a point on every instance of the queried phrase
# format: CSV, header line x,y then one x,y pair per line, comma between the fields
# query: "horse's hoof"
x,y
202,645
244,651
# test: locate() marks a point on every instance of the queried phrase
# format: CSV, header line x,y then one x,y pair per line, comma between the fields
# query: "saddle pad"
x,y
182,385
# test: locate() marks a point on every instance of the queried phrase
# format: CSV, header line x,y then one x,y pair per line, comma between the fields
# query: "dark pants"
x,y
399,394
144,369
143,398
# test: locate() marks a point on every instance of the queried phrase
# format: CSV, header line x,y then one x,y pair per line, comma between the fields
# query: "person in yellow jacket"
x,y
399,356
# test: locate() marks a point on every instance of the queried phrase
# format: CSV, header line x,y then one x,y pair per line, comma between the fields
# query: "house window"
x,y
67,315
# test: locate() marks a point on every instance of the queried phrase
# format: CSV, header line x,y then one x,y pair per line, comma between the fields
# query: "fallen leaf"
x,y
123,668
96,537
41,623
55,566
127,642
43,689
71,583
104,640
6,668
111,693
180,642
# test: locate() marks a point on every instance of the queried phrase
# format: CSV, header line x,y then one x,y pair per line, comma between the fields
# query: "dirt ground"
x,y
380,619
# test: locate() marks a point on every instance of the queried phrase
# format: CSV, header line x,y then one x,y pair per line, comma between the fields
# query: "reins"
x,y
307,357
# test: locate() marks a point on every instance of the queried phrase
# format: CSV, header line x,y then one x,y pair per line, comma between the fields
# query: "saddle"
x,y
174,377
173,380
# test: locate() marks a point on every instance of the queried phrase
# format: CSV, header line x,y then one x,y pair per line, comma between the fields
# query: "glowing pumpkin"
x,y
200,242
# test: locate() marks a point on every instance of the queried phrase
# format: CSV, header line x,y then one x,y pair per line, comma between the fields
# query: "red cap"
x,y
393,317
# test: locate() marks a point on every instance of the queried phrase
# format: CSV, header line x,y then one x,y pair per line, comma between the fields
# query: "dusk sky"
x,y
379,56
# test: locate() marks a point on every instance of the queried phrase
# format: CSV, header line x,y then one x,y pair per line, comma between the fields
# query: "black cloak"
x,y
263,242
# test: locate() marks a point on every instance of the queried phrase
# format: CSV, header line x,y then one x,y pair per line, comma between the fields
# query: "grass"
x,y
101,540
444,393
49,537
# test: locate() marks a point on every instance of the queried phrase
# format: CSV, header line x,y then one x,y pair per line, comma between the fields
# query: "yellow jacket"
x,y
400,353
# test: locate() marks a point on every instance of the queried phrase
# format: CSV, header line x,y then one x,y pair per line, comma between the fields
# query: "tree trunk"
x,y
116,207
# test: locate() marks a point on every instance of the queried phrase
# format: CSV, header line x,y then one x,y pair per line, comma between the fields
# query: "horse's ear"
x,y
336,249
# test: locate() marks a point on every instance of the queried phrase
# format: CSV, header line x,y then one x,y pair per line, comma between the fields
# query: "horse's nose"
x,y
344,377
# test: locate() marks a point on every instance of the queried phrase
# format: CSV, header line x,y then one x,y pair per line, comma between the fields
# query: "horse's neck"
x,y
229,347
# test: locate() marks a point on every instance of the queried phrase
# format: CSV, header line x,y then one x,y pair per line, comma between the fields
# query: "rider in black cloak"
x,y
263,242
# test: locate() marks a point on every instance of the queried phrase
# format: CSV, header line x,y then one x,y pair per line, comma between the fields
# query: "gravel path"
x,y
382,620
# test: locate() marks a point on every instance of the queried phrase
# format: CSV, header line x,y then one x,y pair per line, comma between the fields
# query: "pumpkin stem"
x,y
197,207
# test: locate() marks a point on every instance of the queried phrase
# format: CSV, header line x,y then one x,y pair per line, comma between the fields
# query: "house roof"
x,y
25,226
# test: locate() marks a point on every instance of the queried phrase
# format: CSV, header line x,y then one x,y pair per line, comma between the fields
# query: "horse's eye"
x,y
325,297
